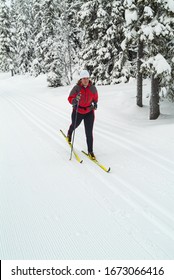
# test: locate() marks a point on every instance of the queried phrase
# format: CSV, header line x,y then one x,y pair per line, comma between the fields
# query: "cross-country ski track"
x,y
54,208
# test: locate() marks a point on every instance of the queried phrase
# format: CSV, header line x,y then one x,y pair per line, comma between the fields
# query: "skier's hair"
x,y
80,81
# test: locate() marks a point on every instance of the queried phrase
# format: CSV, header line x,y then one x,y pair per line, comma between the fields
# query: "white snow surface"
x,y
130,16
170,5
161,65
54,208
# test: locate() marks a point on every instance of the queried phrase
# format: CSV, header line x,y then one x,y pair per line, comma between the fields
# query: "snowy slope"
x,y
53,208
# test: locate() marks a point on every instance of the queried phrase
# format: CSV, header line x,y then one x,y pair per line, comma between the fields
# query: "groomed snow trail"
x,y
53,208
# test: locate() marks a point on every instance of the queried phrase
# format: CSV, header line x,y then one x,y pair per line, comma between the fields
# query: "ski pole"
x,y
75,122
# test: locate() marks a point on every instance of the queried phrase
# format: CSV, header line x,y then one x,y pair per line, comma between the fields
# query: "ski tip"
x,y
109,169
81,161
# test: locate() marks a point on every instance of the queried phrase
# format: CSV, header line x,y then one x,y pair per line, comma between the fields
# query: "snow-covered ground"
x,y
54,208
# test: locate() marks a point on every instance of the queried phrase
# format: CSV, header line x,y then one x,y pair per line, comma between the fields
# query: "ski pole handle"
x,y
78,97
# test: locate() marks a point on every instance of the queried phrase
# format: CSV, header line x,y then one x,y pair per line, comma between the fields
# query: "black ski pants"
x,y
88,123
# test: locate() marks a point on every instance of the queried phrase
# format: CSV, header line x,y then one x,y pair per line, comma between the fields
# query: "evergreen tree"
x,y
22,34
4,37
149,26
135,17
48,33
170,59
70,36
13,39
159,35
170,51
51,45
37,65
101,22
115,36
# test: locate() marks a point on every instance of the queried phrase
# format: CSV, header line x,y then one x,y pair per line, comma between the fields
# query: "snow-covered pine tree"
x,y
170,59
51,45
101,22
13,39
37,65
170,51
114,36
71,36
158,34
149,30
4,37
22,34
135,17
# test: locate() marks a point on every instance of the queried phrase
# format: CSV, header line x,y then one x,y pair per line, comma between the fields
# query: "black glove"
x,y
75,101
93,106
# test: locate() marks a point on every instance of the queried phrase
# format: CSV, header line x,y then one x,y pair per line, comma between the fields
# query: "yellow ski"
x,y
97,162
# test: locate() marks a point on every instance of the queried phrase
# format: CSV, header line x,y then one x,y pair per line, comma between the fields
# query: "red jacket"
x,y
88,94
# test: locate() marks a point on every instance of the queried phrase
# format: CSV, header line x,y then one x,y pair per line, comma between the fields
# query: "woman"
x,y
84,98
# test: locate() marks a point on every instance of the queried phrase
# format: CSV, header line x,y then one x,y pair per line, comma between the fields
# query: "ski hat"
x,y
84,74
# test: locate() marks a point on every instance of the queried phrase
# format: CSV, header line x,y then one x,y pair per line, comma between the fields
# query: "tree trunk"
x,y
70,58
154,99
139,74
